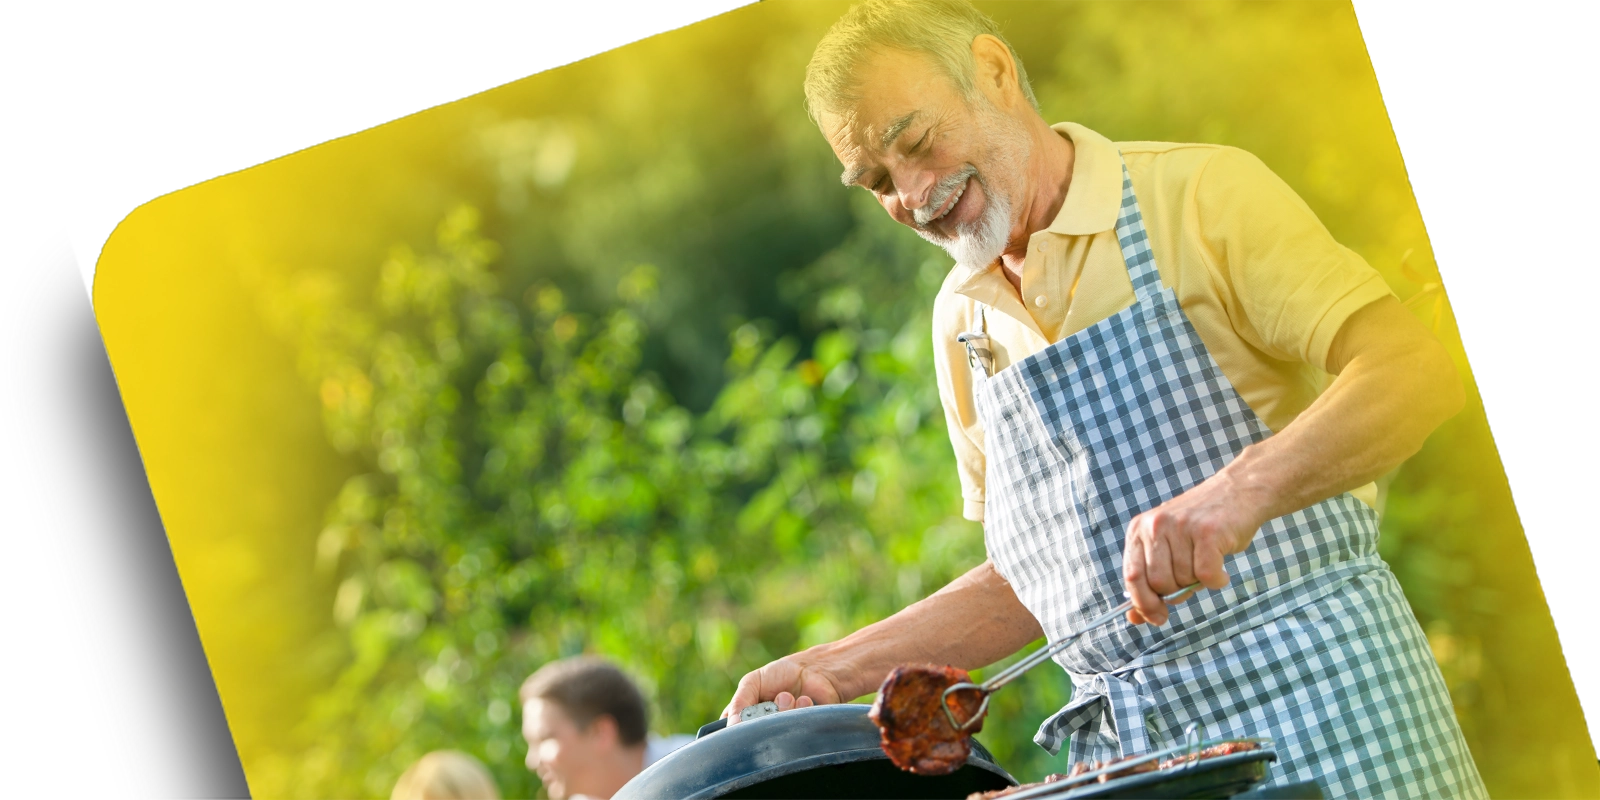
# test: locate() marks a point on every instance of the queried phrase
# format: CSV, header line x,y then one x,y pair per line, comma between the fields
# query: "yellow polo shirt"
x,y
1262,281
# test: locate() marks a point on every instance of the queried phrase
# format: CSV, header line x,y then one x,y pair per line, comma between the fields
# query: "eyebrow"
x,y
850,176
896,129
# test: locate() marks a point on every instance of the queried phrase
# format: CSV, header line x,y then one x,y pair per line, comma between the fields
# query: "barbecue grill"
x,y
817,752
833,752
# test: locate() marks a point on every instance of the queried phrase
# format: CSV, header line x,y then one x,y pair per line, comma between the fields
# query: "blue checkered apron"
x,y
1312,643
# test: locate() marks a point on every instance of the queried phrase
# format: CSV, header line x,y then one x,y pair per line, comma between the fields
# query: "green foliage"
x,y
534,495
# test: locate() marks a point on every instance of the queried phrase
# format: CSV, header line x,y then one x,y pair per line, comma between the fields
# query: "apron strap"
x,y
1136,244
1136,254
1106,705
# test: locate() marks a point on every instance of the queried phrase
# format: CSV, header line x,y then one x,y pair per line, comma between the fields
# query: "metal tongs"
x,y
1036,658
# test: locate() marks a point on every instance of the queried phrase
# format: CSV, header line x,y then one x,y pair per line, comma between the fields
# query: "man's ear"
x,y
603,729
995,71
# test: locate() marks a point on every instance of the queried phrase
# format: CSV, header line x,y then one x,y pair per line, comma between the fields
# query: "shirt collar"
x,y
1093,201
1094,197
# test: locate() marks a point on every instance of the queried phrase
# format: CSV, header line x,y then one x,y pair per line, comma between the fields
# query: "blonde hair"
x,y
446,775
941,29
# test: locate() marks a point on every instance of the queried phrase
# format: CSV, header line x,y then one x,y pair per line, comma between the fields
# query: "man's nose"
x,y
915,189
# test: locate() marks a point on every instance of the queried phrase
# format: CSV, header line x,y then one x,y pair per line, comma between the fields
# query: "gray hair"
x,y
941,29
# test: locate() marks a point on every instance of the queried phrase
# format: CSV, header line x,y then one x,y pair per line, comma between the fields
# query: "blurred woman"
x,y
446,775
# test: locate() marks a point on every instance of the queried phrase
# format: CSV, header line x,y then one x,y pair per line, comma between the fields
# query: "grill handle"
x,y
746,713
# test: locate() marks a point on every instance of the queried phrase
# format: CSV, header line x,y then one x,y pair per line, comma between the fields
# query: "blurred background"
x,y
606,361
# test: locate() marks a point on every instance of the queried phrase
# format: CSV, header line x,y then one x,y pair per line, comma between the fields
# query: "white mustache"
x,y
940,193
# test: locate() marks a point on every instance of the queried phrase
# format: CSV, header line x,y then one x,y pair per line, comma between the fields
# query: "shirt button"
x,y
1041,301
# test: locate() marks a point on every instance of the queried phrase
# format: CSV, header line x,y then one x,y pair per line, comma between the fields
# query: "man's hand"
x,y
1396,384
974,621
1181,542
786,682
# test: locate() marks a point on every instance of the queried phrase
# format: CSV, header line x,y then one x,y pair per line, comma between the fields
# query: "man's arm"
x,y
1395,384
974,621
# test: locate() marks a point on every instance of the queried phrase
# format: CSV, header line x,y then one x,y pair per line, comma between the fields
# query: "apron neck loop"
x,y
1135,243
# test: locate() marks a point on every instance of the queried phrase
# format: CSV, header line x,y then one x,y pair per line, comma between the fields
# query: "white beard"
x,y
977,244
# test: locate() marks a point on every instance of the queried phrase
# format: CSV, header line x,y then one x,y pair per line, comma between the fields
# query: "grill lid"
x,y
820,751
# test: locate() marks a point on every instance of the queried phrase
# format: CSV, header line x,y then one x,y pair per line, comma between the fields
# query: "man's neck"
x,y
1050,171
625,762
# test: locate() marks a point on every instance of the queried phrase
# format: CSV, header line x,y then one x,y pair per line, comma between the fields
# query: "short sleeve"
x,y
951,316
1293,284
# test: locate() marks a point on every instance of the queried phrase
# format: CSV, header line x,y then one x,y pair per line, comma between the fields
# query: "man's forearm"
x,y
974,621
1392,392
1396,384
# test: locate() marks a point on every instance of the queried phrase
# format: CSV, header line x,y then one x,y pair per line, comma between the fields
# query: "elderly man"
x,y
1130,348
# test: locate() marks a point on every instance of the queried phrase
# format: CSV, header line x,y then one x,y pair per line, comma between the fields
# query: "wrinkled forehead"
x,y
891,89
863,136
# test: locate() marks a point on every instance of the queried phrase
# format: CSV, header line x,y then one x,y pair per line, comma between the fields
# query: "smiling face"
x,y
950,167
569,759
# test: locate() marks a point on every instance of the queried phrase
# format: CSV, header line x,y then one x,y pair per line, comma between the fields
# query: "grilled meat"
x,y
915,733
1223,749
1014,789
1090,766
1148,766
